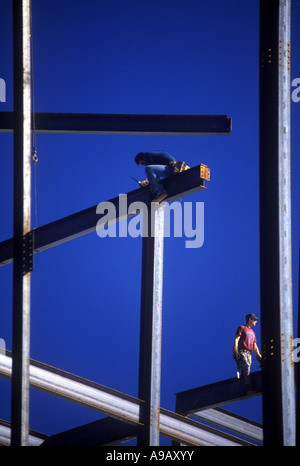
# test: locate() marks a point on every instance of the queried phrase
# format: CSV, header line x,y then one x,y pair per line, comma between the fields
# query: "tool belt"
x,y
144,183
178,166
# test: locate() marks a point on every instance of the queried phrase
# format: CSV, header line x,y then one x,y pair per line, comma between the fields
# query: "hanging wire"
x,y
34,144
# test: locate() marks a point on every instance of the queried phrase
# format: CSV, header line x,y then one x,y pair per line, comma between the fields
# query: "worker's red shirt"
x,y
247,337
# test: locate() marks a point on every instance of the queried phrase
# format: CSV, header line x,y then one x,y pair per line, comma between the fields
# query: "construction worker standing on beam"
x,y
244,344
159,164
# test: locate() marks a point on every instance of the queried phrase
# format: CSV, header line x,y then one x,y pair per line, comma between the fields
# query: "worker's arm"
x,y
256,352
236,346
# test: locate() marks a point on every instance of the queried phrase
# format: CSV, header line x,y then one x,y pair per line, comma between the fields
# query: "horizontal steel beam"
x,y
85,221
216,394
117,404
124,124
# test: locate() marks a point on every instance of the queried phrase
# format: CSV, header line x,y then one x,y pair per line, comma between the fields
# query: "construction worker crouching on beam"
x,y
159,164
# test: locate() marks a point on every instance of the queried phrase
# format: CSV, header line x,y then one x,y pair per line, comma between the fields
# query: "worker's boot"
x,y
160,196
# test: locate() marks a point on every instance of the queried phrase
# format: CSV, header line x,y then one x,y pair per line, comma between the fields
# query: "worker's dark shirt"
x,y
247,337
158,157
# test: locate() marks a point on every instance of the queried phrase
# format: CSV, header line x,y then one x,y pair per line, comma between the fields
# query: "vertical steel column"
x,y
151,326
22,217
275,224
285,235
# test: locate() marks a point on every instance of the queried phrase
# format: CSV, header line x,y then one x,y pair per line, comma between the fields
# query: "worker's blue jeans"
x,y
154,173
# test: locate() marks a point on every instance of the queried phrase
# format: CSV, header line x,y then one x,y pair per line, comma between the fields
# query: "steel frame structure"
x,y
275,226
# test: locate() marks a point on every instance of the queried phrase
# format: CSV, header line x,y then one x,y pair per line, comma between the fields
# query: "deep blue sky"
x,y
156,57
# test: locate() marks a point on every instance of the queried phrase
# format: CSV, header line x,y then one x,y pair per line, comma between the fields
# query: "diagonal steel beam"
x,y
85,221
86,123
116,404
106,431
232,422
35,438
